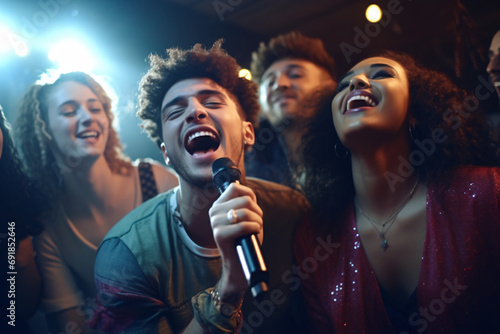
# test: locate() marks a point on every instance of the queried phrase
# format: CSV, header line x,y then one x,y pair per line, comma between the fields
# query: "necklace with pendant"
x,y
389,221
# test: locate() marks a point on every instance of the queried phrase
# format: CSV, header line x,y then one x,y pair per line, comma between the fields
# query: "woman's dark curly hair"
x,y
198,62
21,201
435,103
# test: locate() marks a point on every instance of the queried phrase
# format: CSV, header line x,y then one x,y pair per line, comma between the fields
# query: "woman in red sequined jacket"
x,y
412,227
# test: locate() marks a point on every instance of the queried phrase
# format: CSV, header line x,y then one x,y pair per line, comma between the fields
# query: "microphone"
x,y
225,172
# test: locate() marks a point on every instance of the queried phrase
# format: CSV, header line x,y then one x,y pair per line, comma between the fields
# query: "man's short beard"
x,y
200,182
197,181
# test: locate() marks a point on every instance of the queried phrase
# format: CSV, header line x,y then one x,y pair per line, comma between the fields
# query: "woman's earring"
x,y
340,150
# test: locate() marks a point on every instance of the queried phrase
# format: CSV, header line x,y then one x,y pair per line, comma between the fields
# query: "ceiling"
x,y
428,29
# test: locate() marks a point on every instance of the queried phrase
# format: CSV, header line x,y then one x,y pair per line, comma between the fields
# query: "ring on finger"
x,y
232,217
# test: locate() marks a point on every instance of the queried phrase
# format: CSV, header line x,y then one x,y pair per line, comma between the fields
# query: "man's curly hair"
x,y
20,200
434,103
291,45
33,135
198,62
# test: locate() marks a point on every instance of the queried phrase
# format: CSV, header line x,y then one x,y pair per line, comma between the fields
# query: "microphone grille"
x,y
224,172
222,163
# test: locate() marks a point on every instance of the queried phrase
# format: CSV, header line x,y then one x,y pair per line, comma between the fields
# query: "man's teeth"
x,y
358,98
496,84
200,134
89,134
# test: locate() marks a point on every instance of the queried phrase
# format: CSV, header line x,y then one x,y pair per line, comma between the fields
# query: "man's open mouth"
x,y
202,141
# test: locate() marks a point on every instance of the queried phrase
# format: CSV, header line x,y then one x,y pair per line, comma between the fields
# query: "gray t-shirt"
x,y
147,268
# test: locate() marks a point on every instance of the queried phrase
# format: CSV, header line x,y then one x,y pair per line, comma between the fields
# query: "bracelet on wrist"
x,y
226,309
210,317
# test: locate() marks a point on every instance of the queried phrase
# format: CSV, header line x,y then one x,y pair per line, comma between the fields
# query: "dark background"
x,y
447,35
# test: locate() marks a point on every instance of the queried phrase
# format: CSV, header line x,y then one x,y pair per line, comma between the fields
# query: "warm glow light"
x,y
71,56
244,73
373,13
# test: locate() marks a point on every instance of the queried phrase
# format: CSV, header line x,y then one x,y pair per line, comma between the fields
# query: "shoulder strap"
x,y
148,184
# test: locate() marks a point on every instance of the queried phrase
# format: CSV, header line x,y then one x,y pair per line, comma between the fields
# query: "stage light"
x,y
70,55
4,40
373,13
21,49
244,73
10,41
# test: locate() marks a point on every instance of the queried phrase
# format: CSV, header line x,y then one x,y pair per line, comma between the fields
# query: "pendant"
x,y
383,244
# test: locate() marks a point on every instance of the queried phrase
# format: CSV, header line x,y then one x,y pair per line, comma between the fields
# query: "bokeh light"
x,y
373,13
244,73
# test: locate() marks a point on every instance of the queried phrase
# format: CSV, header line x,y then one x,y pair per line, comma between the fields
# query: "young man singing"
x,y
171,265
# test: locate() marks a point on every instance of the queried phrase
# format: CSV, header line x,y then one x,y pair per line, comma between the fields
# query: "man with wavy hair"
x,y
171,265
293,72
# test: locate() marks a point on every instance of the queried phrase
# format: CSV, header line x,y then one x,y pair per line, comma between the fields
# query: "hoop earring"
x,y
340,151
412,131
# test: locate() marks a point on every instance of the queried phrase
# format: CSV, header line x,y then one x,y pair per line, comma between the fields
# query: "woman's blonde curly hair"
x,y
33,134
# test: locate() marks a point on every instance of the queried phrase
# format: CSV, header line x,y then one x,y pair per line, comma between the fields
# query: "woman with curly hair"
x,y
412,227
21,209
67,141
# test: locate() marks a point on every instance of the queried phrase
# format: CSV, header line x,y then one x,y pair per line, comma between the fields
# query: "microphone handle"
x,y
248,247
251,259
252,262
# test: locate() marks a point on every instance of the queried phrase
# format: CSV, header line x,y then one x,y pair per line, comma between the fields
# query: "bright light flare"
x,y
244,73
10,41
373,13
21,49
70,56
4,40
